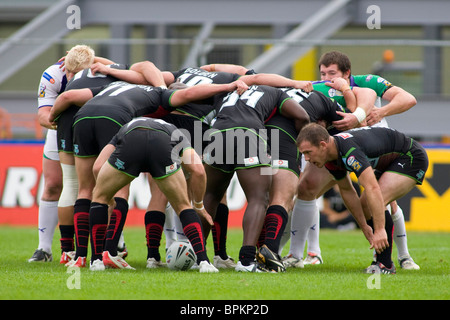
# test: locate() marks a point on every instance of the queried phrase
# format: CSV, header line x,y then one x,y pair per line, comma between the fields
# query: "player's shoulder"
x,y
370,80
53,74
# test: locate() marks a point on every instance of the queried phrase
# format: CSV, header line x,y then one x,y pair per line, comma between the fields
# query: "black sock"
x,y
275,223
154,224
98,218
192,228
247,255
385,257
81,222
220,230
115,227
67,234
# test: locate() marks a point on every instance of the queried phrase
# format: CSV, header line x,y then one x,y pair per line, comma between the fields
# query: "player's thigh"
x,y
394,186
312,181
174,188
283,188
109,181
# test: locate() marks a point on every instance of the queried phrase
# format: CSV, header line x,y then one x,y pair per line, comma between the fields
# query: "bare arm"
x,y
76,97
140,73
275,80
365,99
353,204
376,206
203,91
399,101
221,67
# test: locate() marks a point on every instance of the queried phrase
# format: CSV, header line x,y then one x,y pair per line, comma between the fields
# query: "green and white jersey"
x,y
374,82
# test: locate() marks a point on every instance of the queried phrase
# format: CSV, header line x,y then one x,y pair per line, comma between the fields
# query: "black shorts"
x,y
64,130
413,164
91,135
194,129
155,154
237,148
283,149
284,152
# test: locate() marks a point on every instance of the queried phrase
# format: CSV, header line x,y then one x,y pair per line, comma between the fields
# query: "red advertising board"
x,y
21,183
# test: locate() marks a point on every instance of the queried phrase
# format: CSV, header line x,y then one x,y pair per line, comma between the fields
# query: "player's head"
x,y
78,58
312,142
334,64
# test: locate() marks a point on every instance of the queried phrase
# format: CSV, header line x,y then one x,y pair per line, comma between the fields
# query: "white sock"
x,y
313,234
303,218
48,220
286,234
400,238
169,226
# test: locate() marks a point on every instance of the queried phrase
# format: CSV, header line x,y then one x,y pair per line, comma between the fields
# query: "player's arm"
x,y
365,99
293,110
196,181
222,67
353,204
376,206
275,80
204,91
77,97
399,101
144,72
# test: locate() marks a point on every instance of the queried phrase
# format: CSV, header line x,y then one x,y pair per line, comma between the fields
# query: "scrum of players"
x,y
190,131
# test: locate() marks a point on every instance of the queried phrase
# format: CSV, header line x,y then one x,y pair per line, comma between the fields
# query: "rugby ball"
x,y
180,256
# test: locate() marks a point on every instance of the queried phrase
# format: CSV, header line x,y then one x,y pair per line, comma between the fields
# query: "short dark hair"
x,y
338,58
313,133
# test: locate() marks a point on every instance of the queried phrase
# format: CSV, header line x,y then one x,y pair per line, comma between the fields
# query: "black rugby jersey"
x,y
85,78
250,109
123,101
177,137
360,148
194,76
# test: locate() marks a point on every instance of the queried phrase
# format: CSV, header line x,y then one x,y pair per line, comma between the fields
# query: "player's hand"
x,y
304,85
348,121
368,233
202,212
339,84
240,86
99,68
374,116
379,241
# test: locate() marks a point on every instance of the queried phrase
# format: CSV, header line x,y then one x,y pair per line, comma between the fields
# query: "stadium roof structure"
x,y
314,21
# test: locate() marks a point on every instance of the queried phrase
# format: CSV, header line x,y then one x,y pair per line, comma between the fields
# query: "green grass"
x,y
345,255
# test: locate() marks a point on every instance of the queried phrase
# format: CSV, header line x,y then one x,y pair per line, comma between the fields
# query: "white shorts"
x,y
51,146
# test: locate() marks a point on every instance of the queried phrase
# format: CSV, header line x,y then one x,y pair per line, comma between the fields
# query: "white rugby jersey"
x,y
53,82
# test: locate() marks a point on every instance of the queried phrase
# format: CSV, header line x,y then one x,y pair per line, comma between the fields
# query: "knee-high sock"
x,y
67,233
385,257
48,220
116,224
154,224
313,234
98,219
220,230
400,237
303,218
274,223
81,222
192,227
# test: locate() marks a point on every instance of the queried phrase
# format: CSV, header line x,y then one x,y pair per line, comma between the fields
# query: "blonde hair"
x,y
79,58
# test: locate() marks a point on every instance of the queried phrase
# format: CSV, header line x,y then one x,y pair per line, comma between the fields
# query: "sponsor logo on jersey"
x,y
280,163
42,88
171,168
353,163
119,164
344,135
251,161
48,77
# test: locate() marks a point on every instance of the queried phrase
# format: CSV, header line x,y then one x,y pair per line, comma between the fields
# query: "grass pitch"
x,y
345,255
